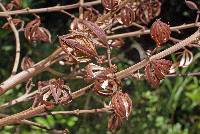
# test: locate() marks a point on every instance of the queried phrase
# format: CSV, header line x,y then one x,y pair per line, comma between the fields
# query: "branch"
x,y
144,32
78,112
48,9
16,118
127,72
27,74
17,40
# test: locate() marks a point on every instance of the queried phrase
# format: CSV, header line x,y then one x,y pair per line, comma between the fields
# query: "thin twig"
x,y
16,33
48,9
78,112
145,32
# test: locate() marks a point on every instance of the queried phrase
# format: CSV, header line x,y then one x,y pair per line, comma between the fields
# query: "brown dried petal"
x,y
191,5
94,28
160,32
26,63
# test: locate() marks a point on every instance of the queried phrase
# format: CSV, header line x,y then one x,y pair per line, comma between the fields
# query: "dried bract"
x,y
191,5
121,104
156,71
160,32
26,63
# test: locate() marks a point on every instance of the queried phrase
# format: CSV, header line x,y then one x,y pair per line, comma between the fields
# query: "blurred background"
x,y
173,108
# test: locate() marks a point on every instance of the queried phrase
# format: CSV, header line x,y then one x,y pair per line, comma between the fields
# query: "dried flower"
x,y
55,88
104,82
156,71
33,32
160,32
121,104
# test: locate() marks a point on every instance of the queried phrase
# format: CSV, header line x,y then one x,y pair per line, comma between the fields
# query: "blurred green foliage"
x,y
173,108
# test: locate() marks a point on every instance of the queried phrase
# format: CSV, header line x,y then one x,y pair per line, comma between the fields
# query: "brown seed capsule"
x,y
122,104
160,32
127,15
110,4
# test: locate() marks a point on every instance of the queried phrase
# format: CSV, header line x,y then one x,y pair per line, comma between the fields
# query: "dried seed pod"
x,y
156,71
26,63
110,4
160,32
114,123
78,44
127,15
121,104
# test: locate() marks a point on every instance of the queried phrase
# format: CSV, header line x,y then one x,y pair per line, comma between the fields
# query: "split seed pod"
x,y
160,32
121,104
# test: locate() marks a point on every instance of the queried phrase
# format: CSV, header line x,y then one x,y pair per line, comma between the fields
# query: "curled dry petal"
x,y
186,58
16,22
191,5
110,4
114,123
160,32
156,71
26,63
96,30
121,104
